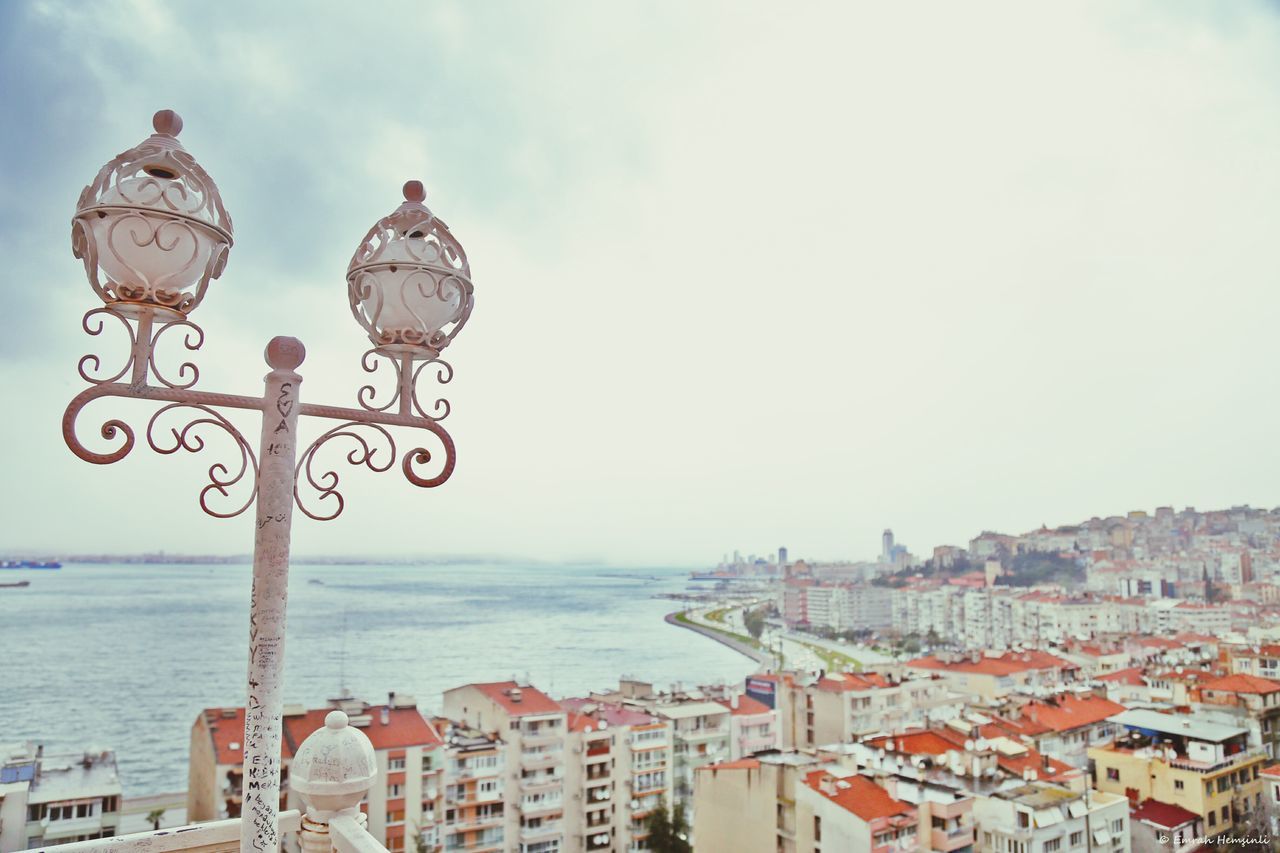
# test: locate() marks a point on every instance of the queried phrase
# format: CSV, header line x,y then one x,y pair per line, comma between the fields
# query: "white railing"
x,y
218,835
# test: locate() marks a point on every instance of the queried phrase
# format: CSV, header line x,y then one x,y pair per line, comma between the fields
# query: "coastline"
x,y
741,648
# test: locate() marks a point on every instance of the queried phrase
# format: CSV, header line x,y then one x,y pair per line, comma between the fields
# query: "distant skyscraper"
x,y
886,548
782,555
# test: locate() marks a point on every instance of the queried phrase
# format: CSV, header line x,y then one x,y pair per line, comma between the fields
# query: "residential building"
x,y
840,810
842,707
472,817
618,772
56,798
1157,826
1043,818
701,733
991,676
1253,702
402,798
749,805
752,726
1207,768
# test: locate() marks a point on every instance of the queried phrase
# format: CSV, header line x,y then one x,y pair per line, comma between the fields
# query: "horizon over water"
x,y
124,656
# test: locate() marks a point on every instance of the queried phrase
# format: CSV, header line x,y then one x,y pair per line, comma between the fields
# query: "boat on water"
x,y
30,564
18,584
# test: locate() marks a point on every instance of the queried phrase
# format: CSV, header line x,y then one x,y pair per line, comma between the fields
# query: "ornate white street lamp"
x,y
153,234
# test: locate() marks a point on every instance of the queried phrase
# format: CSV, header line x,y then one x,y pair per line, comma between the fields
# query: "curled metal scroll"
x,y
192,340
95,323
373,446
404,395
222,478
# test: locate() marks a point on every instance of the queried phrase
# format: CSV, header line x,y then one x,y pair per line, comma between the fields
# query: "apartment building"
x,y
472,817
404,797
1248,700
1207,768
618,772
840,810
700,733
798,803
749,805
56,798
1156,826
841,707
989,676
1065,725
534,728
1043,818
752,726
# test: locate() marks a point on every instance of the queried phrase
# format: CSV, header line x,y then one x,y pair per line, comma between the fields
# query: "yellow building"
x,y
1204,767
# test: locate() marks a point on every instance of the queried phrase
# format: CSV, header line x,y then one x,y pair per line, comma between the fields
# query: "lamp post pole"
x,y
264,706
153,234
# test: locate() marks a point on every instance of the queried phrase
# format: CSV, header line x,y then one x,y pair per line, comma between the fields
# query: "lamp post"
x,y
153,234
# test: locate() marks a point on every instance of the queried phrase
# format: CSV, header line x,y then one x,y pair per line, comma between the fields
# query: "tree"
x,y
154,816
1209,592
420,844
668,833
755,622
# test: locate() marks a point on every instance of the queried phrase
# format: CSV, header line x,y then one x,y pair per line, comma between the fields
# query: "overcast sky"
x,y
746,275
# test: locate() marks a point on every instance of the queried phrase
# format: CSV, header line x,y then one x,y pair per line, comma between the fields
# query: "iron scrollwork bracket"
x,y
365,427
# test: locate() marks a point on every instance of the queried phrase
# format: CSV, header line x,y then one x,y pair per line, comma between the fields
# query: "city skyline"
x,y
742,276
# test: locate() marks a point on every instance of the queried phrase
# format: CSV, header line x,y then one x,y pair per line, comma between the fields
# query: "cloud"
x,y
746,275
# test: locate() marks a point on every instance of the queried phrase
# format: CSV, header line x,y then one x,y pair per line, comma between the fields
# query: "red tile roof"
x,y
404,727
926,742
747,706
226,727
1164,815
532,700
1132,675
1241,683
1006,664
852,681
1072,712
859,795
1047,769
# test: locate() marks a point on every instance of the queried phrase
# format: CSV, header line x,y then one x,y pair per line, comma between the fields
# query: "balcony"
x,y
951,839
532,760
1246,757
475,821
530,834
554,737
69,827
543,807
701,734
530,784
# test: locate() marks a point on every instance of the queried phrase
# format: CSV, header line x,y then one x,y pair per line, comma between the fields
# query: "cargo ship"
x,y
30,564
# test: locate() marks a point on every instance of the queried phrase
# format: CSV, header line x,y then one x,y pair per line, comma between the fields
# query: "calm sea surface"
x,y
124,657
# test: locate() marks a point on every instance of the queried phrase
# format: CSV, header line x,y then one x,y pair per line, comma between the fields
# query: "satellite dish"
x,y
604,724
969,746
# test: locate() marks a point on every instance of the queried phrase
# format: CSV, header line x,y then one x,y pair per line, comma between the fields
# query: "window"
x,y
1077,838
1178,784
1113,774
395,816
1226,813
1213,818
817,828
1024,820
395,791
395,764
1052,845
1117,826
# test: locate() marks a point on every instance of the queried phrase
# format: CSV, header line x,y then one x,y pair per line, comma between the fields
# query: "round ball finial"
x,y
284,353
413,191
167,122
336,720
